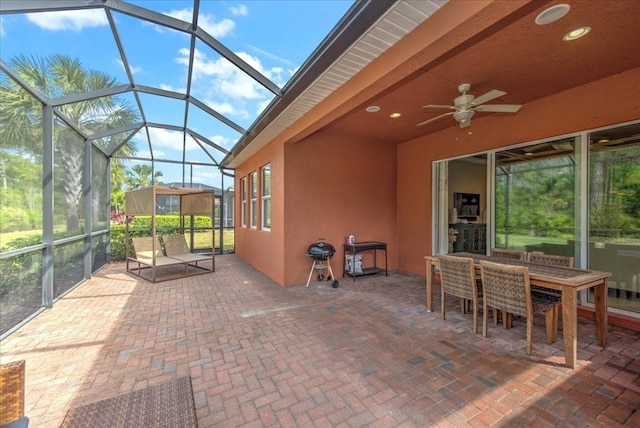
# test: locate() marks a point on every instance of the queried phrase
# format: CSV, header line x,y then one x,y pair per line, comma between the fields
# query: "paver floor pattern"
x,y
365,354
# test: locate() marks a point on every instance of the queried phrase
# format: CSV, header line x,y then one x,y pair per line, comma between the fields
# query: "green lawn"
x,y
520,241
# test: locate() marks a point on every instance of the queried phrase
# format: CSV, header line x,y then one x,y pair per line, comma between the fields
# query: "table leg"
x,y
570,326
600,298
431,277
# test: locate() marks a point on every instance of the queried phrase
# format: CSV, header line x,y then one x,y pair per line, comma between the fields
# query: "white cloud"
x,y
207,22
225,78
133,68
224,108
161,137
203,174
166,87
261,106
240,10
221,140
2,33
182,14
74,20
272,56
216,29
226,88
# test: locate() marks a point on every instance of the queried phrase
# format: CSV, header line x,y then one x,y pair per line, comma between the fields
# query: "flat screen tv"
x,y
467,205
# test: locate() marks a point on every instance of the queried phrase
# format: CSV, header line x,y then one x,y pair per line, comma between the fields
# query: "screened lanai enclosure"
x,y
103,97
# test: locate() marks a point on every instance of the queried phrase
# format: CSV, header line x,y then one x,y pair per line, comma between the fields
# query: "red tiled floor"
x,y
364,354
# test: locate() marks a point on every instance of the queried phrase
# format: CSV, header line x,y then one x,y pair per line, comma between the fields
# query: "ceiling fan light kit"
x,y
465,106
463,117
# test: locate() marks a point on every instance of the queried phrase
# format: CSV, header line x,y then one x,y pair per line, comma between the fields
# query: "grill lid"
x,y
321,250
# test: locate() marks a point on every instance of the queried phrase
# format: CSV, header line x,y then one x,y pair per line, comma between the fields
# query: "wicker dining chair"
x,y
458,278
507,254
508,289
12,377
551,260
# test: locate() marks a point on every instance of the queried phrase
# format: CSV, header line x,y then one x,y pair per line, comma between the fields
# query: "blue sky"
x,y
275,37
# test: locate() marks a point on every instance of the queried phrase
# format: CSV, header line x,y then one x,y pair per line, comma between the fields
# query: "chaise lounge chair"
x,y
176,247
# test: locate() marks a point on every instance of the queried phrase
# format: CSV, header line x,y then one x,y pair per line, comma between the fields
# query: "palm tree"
x,y
140,176
21,116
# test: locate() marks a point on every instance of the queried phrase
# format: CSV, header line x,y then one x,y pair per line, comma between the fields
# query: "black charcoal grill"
x,y
321,253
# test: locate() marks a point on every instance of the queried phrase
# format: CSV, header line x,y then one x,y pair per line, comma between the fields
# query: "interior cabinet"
x,y
471,238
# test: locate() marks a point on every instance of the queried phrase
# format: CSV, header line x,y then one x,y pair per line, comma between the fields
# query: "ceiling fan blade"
x,y
499,108
491,95
433,119
439,106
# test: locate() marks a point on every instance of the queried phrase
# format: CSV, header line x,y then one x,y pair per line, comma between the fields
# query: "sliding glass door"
x,y
575,196
614,212
535,194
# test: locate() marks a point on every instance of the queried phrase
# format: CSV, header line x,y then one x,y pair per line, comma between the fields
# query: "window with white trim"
x,y
266,197
243,202
253,195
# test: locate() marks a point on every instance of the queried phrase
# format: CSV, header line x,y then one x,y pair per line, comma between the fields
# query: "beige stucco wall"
x,y
337,185
263,249
325,186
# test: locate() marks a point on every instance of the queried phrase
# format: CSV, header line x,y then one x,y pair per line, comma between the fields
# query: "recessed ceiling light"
x,y
373,109
603,140
395,115
552,14
576,34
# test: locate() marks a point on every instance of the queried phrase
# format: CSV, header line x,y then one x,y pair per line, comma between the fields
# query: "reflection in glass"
x,y
535,198
614,212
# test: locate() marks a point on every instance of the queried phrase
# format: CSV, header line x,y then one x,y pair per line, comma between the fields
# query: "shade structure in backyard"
x,y
149,261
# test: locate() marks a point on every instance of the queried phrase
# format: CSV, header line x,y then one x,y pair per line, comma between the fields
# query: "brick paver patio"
x,y
364,354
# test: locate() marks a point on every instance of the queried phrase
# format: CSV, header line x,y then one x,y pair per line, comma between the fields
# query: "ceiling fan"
x,y
466,105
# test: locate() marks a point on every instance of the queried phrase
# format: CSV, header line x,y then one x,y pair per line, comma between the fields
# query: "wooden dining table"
x,y
567,280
